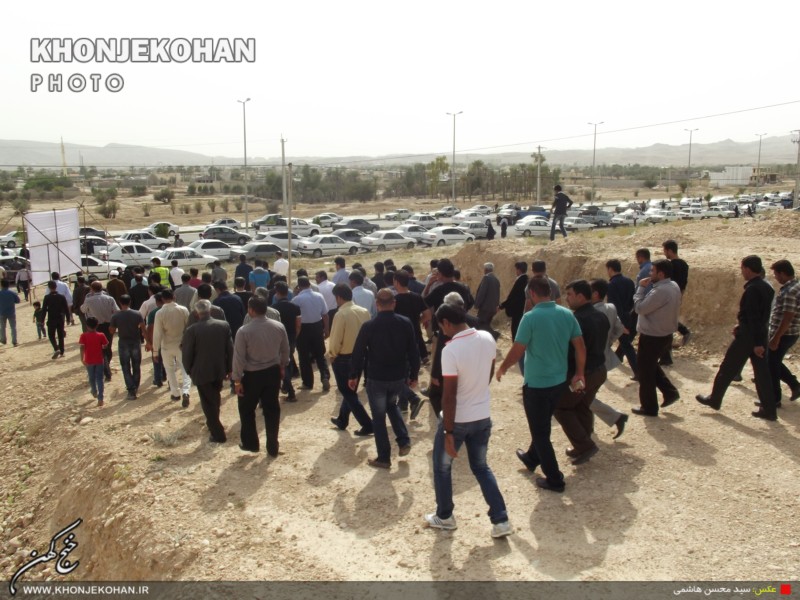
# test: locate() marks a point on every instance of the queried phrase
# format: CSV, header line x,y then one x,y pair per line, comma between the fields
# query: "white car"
x,y
9,240
767,205
688,214
279,238
327,245
721,212
533,225
577,224
444,236
91,265
227,222
98,244
627,218
477,228
326,219
299,226
187,257
146,238
216,248
661,216
446,211
386,240
398,214
470,215
171,228
414,232
424,219
131,253
482,209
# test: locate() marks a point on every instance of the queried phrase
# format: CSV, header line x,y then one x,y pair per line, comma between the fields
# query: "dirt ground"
x,y
692,495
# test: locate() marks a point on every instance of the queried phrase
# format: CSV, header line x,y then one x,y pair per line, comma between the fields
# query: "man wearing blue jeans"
x,y
389,341
558,212
544,336
8,312
467,368
129,326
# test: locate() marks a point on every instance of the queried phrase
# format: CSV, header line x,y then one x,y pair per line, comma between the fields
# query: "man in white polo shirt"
x,y
467,369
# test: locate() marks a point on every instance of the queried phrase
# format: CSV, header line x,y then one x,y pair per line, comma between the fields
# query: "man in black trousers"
x,y
56,310
749,342
207,352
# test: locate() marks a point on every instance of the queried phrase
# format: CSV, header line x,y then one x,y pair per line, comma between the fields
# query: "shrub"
x,y
238,203
185,209
21,205
146,209
109,209
212,205
198,207
223,204
165,195
172,206
191,189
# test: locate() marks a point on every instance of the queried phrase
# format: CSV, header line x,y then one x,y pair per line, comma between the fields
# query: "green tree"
x,y
164,195
191,189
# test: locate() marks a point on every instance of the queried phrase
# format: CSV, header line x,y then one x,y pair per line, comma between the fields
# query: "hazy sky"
x,y
370,78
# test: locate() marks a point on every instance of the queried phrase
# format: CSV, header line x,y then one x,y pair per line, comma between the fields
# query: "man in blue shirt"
x,y
313,331
620,293
362,297
544,336
8,312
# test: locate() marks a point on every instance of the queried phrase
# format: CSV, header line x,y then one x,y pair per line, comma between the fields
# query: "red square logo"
x,y
786,589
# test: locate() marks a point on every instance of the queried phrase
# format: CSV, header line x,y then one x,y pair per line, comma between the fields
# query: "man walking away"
x,y
680,275
169,325
350,318
389,341
56,310
311,339
657,301
260,355
784,328
620,293
101,306
749,342
129,325
92,343
544,336
558,212
207,352
291,320
467,369
8,312
487,299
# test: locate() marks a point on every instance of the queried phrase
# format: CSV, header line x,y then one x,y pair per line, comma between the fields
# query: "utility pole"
x,y
453,166
796,140
758,167
538,175
246,187
289,226
283,174
689,167
594,151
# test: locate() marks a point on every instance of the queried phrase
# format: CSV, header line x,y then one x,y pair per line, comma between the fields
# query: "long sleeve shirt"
x,y
170,323
754,310
100,306
344,331
389,341
658,308
259,345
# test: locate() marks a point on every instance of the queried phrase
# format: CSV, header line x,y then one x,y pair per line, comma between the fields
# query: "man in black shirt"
x,y
129,325
290,317
558,212
680,275
620,293
573,410
749,341
56,309
445,277
389,341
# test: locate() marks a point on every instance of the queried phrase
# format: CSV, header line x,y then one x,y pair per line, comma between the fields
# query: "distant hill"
x,y
774,150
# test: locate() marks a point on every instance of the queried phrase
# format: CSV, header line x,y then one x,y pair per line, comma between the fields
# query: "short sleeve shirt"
x,y
546,332
127,322
468,356
93,342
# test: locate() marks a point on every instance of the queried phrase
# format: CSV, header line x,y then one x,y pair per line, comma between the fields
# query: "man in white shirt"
x,y
176,273
281,265
170,323
325,288
467,369
362,296
63,289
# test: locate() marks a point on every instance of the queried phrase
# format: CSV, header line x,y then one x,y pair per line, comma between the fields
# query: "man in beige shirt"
x,y
349,319
170,323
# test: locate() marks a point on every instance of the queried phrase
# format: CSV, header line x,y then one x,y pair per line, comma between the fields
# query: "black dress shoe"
x,y
708,401
665,363
635,378
213,440
338,423
241,447
585,456
363,432
737,377
761,414
669,401
526,460
546,485
795,394
621,422
778,404
643,413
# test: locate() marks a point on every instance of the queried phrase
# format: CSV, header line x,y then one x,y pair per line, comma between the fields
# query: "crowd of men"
x,y
377,332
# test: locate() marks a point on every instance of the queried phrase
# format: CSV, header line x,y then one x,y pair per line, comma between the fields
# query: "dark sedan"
x,y
354,223
256,250
225,234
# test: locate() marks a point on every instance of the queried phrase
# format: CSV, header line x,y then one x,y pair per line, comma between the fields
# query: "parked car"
x,y
187,257
414,232
470,215
146,238
577,224
101,233
601,218
299,226
769,205
325,219
477,228
350,235
266,220
91,265
386,240
131,253
692,213
172,229
227,222
327,245
625,219
216,248
398,214
721,212
424,219
91,244
444,236
661,216
532,226
9,240
355,223
481,208
446,212
279,238
225,234
256,250
13,265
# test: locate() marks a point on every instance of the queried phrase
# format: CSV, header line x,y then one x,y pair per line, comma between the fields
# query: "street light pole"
x,y
246,190
796,140
594,152
689,168
453,166
758,167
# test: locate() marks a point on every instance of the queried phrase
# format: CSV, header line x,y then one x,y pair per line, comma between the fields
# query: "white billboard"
x,y
54,243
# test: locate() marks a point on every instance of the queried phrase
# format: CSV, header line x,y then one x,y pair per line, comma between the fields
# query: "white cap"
x,y
115,273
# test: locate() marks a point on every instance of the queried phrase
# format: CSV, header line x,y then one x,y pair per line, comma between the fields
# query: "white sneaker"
x,y
502,529
433,521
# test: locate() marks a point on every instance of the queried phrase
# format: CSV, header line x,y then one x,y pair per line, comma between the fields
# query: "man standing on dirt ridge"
x,y
558,212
